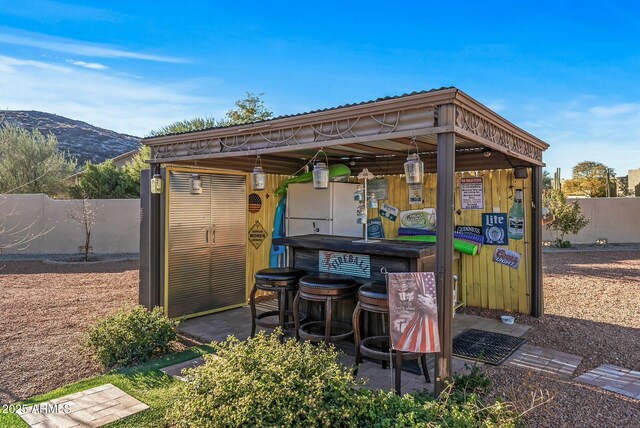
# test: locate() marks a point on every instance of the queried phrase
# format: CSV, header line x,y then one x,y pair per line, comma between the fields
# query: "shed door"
x,y
205,271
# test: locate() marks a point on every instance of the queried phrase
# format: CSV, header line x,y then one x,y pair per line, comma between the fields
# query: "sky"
x,y
568,72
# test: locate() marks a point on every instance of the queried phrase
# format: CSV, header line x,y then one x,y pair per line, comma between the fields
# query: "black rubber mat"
x,y
485,346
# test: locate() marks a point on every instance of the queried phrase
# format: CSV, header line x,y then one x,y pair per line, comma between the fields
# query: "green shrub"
x,y
262,382
132,335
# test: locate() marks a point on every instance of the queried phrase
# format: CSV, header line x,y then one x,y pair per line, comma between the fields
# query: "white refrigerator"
x,y
329,211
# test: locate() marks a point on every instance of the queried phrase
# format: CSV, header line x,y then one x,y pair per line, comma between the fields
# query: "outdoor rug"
x,y
485,346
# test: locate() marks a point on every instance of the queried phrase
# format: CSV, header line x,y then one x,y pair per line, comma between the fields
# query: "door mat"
x,y
485,346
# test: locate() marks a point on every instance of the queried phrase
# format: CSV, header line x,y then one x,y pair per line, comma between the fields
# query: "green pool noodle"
x,y
337,172
462,246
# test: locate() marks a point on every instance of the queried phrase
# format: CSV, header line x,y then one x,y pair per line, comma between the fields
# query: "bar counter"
x,y
395,256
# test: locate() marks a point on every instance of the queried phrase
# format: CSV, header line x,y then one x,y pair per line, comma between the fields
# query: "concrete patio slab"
x,y
615,379
91,408
548,361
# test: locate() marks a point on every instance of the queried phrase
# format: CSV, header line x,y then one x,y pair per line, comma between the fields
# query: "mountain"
x,y
75,138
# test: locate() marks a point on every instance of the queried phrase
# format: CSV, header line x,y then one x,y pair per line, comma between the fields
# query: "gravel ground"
x,y
44,310
592,309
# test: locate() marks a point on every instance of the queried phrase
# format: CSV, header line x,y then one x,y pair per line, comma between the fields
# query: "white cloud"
x,y
77,47
122,104
89,65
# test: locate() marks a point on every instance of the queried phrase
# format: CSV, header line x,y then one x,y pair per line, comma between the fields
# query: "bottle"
x,y
516,217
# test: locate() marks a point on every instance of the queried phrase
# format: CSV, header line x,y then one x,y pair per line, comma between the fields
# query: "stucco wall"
x,y
615,219
117,227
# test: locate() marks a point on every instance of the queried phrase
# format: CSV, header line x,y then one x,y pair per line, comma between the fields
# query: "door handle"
x,y
206,235
213,234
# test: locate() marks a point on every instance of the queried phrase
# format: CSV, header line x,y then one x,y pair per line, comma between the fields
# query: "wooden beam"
x,y
537,281
444,248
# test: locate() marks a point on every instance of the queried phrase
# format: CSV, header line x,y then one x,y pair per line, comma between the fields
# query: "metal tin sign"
x,y
374,228
379,187
415,194
413,312
344,263
494,228
388,212
507,257
419,219
474,230
257,235
472,193
255,203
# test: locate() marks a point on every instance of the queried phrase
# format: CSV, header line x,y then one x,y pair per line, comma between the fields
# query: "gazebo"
x,y
455,135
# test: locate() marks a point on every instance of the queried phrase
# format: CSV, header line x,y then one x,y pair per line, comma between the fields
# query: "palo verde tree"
x,y
30,162
567,217
247,110
590,179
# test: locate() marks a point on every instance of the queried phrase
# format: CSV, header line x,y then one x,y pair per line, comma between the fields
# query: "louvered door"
x,y
206,259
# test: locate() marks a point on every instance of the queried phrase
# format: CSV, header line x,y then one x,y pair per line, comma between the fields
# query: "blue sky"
x,y
568,72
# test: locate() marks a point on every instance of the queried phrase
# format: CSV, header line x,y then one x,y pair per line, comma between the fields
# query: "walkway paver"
x,y
176,369
91,408
614,378
548,361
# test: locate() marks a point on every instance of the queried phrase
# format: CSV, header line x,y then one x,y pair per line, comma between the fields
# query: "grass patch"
x,y
145,382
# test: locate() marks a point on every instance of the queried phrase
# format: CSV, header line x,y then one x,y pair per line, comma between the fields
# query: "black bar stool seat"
x,y
372,297
326,288
280,281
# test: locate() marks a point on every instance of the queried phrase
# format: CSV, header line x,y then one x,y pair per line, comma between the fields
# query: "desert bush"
x,y
262,382
567,217
132,335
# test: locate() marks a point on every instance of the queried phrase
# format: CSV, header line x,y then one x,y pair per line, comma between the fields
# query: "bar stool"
x,y
276,280
326,288
373,297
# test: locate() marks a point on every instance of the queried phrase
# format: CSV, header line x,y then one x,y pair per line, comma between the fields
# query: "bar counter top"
x,y
384,247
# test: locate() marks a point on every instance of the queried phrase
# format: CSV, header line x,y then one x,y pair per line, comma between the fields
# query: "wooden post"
x,y
537,302
444,246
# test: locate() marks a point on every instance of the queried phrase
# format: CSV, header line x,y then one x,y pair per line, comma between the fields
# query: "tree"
x,y
547,181
84,212
567,216
104,181
590,179
30,162
195,124
135,166
249,109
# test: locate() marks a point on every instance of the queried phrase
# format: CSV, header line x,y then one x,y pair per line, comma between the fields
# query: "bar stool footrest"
x,y
261,322
314,331
377,347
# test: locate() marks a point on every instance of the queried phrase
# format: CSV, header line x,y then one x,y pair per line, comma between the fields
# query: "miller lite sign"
x,y
494,228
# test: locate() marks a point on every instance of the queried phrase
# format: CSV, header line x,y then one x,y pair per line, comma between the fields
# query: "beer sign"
x,y
507,257
494,228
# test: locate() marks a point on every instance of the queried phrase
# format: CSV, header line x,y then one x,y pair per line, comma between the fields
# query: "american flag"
x,y
418,331
255,203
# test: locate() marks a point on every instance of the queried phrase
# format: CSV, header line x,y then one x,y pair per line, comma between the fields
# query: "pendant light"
x,y
413,167
258,177
321,172
156,181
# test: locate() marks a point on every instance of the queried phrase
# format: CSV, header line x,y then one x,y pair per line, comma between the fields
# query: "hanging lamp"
x,y
258,177
156,181
321,172
413,167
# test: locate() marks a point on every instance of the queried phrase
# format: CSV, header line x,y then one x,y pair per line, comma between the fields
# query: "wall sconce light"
x,y
258,177
520,172
413,167
196,184
321,172
547,243
486,152
156,181
602,241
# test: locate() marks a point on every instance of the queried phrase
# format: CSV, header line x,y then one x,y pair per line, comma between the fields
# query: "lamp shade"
x,y
156,184
320,176
258,179
413,169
